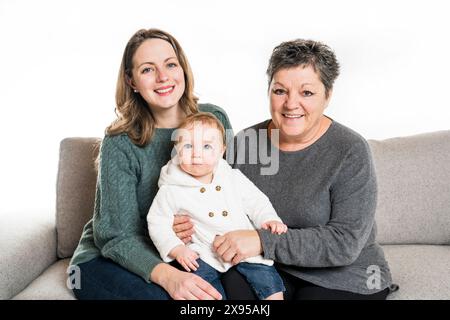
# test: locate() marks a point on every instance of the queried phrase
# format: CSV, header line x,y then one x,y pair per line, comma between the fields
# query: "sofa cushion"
x,y
51,285
413,176
75,191
421,271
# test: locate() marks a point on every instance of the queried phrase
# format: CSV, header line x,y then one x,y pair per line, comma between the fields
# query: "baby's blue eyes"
x,y
206,146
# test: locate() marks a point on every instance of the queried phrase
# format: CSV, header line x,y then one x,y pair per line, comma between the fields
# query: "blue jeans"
x,y
103,279
264,280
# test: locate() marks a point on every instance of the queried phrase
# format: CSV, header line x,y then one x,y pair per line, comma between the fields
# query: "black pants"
x,y
296,289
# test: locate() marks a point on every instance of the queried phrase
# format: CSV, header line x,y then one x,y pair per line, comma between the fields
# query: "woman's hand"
x,y
183,227
235,246
275,226
183,285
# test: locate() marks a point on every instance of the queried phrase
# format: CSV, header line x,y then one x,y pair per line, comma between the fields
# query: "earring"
x,y
135,91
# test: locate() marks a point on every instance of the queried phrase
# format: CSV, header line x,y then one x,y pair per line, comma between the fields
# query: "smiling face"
x,y
157,75
200,148
297,101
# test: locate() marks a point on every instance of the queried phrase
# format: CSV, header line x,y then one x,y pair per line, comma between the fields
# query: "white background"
x,y
59,62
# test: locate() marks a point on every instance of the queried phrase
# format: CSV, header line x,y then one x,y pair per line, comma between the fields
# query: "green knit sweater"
x,y
126,185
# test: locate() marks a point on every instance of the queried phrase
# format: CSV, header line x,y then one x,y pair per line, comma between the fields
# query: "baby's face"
x,y
200,148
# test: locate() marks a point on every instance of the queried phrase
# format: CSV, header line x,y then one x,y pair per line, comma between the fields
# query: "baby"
x,y
218,199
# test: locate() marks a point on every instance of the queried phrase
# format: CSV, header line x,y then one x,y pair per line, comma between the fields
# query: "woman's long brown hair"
x,y
134,116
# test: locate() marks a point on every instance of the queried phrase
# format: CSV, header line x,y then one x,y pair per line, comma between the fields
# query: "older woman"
x,y
325,188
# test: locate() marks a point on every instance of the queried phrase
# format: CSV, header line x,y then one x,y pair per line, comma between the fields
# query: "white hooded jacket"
x,y
224,205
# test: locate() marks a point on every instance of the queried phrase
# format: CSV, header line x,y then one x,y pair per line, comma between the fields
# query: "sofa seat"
x,y
50,285
421,271
415,268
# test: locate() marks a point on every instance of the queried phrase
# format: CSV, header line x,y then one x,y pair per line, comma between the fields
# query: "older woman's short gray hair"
x,y
302,52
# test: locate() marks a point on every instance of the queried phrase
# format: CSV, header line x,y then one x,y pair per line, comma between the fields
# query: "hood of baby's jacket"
x,y
171,174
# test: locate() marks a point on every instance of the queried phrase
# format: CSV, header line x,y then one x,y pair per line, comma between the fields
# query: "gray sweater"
x,y
326,194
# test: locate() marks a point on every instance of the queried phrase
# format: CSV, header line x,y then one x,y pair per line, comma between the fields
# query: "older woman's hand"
x,y
183,227
235,246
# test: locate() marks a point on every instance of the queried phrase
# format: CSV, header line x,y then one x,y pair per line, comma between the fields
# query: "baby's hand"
x,y
275,226
185,257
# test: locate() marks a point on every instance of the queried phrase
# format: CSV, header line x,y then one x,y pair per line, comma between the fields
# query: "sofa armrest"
x,y
27,248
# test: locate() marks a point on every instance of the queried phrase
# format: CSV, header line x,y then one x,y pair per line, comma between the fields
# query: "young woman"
x,y
115,255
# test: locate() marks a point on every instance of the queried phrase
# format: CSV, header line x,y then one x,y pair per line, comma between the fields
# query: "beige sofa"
x,y
413,217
